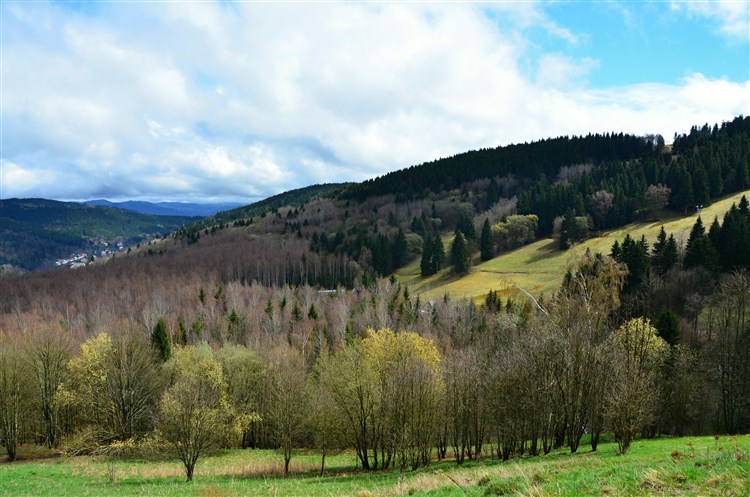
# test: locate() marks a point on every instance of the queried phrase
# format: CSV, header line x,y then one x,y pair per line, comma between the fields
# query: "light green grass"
x,y
538,268
695,466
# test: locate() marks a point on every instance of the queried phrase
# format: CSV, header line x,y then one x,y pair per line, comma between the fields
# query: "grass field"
x,y
538,268
696,466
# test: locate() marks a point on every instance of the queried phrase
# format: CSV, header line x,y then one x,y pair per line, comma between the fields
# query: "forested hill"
x,y
295,197
530,161
571,187
553,176
35,232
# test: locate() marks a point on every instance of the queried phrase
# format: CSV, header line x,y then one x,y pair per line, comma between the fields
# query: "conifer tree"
x,y
699,250
664,255
433,255
425,265
635,256
466,226
460,254
658,251
569,230
486,247
160,340
668,327
671,256
744,208
438,255
399,250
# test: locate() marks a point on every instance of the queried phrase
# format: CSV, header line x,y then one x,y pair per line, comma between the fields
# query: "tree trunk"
x,y
287,458
594,440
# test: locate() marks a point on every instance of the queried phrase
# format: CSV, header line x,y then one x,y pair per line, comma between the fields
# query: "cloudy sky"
x,y
226,101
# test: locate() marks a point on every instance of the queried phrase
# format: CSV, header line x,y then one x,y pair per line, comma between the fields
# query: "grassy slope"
x,y
538,267
683,467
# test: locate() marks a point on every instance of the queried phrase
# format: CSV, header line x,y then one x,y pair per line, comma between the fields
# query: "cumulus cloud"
x,y
240,101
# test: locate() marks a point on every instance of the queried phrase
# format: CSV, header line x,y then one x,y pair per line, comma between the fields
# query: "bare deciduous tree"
x,y
48,353
192,412
289,405
638,354
15,395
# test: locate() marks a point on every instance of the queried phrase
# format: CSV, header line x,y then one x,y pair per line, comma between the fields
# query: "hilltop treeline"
x,y
527,162
703,165
605,177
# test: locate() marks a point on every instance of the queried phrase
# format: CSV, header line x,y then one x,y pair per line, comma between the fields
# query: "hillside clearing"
x,y
538,268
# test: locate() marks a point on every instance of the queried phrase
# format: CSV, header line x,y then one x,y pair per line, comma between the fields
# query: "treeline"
x,y
703,165
527,161
249,366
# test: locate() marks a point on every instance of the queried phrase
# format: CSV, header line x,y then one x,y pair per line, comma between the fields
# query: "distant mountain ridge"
x,y
191,209
297,196
35,232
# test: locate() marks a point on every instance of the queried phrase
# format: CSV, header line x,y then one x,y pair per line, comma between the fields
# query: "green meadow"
x,y
538,268
690,466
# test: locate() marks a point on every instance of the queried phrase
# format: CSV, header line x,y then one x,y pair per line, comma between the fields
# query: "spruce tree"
x,y
433,255
671,256
160,340
616,251
425,264
635,256
658,252
699,250
668,327
693,249
487,248
460,254
569,230
664,256
466,226
297,312
438,254
399,250
744,208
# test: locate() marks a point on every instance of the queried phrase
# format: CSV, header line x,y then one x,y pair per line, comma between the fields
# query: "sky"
x,y
237,101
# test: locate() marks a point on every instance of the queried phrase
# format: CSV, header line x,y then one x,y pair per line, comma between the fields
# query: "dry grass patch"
x,y
214,491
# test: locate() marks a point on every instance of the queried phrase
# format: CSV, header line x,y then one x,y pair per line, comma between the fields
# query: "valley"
x,y
374,249
431,334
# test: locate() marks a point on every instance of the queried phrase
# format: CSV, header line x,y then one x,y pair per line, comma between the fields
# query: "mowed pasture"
x,y
690,466
538,268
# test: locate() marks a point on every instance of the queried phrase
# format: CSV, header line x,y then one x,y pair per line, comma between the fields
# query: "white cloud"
x,y
18,177
560,71
732,17
206,100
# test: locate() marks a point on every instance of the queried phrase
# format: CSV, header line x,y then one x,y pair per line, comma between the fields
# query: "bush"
x,y
84,442
517,230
